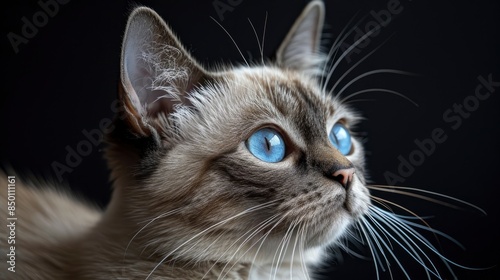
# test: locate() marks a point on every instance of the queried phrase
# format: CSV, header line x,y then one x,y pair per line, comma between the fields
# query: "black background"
x,y
64,80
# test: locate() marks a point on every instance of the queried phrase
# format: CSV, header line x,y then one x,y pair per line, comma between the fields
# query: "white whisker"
x,y
395,188
249,210
378,90
294,248
359,100
265,237
394,257
369,73
354,45
332,89
371,234
258,40
410,244
263,39
303,233
368,236
232,39
401,227
260,227
284,247
334,49
151,221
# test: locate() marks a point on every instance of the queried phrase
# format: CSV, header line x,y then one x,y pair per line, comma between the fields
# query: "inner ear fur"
x,y
157,73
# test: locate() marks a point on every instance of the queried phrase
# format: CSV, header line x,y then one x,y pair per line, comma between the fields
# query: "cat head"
x,y
229,162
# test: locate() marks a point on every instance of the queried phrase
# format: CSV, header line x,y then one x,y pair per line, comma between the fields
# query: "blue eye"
x,y
341,138
267,145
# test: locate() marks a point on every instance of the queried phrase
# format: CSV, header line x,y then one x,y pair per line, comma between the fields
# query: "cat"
x,y
242,172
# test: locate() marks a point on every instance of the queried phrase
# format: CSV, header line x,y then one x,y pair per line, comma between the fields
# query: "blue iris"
x,y
267,145
341,138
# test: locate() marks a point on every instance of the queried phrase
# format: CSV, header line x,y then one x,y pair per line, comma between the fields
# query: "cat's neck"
x,y
292,271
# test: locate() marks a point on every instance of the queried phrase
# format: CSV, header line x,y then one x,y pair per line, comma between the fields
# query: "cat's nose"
x,y
344,176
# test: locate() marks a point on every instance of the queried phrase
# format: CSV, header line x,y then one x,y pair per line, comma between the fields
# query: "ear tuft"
x,y
157,73
300,48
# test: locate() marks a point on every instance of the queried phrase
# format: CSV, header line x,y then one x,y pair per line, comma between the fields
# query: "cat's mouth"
x,y
357,199
327,209
353,200
355,204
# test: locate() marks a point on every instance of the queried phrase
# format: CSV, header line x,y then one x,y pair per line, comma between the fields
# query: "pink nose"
x,y
344,176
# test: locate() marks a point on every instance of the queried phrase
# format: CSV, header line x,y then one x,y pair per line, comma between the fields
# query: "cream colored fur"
x,y
189,201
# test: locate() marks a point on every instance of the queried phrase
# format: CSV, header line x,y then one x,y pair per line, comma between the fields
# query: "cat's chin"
x,y
329,233
311,250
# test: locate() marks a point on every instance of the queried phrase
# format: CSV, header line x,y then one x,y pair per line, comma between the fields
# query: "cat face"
x,y
231,163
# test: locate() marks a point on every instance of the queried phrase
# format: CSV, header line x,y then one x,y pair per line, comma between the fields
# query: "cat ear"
x,y
156,71
300,49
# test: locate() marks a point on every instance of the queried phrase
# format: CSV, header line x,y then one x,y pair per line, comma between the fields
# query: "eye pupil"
x,y
341,138
333,137
267,145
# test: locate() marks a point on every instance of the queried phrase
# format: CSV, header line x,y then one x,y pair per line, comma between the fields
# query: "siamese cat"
x,y
239,172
